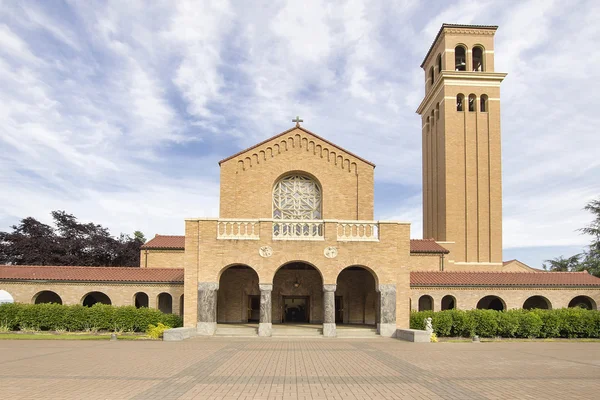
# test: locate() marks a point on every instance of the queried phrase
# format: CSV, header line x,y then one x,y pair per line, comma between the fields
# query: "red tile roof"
x,y
426,246
559,279
90,274
165,242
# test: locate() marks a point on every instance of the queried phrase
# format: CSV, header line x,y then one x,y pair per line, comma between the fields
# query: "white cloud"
x,y
118,111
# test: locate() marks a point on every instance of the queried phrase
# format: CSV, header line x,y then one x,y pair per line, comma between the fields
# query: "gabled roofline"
x,y
288,131
444,25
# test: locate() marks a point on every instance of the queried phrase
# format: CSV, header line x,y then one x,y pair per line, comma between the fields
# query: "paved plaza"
x,y
255,368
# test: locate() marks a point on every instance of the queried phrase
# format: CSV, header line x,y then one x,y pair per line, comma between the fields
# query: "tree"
x,y
68,243
561,264
588,260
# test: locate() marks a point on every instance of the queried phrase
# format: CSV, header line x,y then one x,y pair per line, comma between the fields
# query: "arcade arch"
x,y
356,297
238,297
47,296
95,297
297,295
539,302
491,303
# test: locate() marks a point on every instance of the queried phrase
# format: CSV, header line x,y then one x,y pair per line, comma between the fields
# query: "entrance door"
x,y
339,309
253,308
296,309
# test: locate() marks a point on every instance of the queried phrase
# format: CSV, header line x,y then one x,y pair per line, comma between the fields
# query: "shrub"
x,y
57,317
566,322
156,332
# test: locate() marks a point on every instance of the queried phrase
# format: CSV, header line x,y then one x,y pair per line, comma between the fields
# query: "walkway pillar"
x,y
207,308
387,324
329,310
265,326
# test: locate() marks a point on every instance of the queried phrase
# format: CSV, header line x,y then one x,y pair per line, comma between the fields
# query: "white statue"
x,y
428,326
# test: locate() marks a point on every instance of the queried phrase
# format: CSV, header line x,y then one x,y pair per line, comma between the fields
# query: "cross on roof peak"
x,y
297,121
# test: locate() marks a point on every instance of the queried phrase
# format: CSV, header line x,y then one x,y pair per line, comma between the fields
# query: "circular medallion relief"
x,y
330,252
265,251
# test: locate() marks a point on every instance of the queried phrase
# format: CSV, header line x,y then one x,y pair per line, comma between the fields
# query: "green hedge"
x,y
560,323
79,318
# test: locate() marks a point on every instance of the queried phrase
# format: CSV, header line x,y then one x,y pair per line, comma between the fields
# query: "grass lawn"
x,y
67,336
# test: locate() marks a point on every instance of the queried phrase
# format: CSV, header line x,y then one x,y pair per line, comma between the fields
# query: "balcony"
x,y
308,230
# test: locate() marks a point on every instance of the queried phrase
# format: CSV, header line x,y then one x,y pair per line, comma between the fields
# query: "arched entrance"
x,y
491,303
297,294
238,297
47,296
583,302
165,303
140,300
425,303
539,302
95,297
448,302
356,299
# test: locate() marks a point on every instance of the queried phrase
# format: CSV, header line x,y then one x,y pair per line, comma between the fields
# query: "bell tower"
x,y
462,178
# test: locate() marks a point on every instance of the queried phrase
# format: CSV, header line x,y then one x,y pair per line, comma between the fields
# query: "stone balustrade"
x,y
344,231
357,231
244,229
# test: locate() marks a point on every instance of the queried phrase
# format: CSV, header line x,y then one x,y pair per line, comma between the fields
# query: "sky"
x,y
119,111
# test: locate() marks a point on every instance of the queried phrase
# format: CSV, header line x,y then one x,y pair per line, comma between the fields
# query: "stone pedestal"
x,y
207,308
265,326
329,310
387,311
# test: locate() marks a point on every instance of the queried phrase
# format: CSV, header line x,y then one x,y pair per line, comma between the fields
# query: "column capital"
x,y
208,285
329,287
265,287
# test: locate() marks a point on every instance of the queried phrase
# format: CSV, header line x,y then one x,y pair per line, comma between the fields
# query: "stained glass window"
x,y
296,197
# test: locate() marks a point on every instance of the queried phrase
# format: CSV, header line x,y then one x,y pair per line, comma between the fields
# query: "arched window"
x,y
95,297
432,116
140,300
428,126
439,63
460,101
297,197
583,302
431,75
491,303
437,111
483,103
47,296
537,302
165,303
448,303
472,99
460,58
425,303
477,59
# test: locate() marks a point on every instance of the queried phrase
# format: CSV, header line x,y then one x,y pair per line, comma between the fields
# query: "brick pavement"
x,y
274,368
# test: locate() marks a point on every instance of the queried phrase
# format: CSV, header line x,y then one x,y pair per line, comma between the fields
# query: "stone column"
x,y
387,312
329,310
265,326
207,308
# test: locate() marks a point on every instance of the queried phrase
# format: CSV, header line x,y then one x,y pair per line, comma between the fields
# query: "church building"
x,y
296,243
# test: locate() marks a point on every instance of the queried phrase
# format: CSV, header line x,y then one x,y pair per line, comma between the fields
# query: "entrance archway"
x,y
47,296
238,297
491,303
356,298
583,302
165,303
297,294
539,302
95,297
140,300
